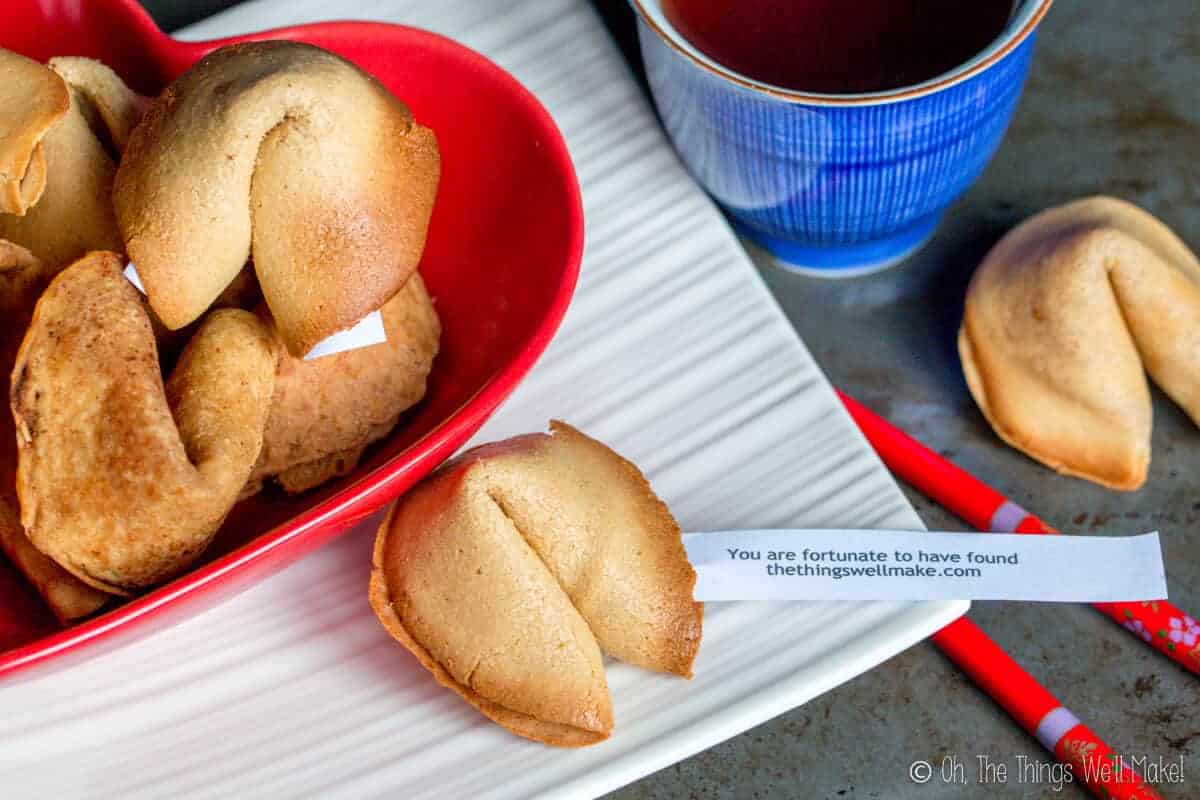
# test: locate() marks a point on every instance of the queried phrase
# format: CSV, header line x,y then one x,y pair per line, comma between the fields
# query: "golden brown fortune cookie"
x,y
123,481
62,128
1064,318
327,410
22,278
509,570
288,154
32,100
67,597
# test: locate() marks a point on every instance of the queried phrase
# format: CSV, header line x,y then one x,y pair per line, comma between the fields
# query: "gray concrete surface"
x,y
1111,107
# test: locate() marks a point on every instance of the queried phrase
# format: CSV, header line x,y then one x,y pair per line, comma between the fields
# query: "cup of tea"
x,y
835,133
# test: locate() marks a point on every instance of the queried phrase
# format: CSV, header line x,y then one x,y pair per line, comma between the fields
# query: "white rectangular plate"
x,y
674,352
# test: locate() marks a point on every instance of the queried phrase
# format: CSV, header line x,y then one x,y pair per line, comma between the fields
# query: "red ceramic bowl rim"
x,y
995,51
436,443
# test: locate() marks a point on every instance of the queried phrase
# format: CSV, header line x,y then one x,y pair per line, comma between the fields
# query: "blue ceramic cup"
x,y
836,185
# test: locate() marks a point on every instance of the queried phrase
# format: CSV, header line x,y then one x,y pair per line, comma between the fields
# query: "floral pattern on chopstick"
x,y
1183,630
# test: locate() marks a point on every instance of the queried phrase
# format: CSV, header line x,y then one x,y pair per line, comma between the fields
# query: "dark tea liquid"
x,y
839,46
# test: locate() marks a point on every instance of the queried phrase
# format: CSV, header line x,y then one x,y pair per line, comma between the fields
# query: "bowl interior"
x,y
500,262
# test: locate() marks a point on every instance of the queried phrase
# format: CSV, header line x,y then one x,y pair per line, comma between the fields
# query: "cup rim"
x,y
1017,31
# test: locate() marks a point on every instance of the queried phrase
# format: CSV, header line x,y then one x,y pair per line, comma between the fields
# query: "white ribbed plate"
x,y
673,352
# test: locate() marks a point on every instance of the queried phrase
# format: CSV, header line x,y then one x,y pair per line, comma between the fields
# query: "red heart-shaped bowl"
x,y
501,262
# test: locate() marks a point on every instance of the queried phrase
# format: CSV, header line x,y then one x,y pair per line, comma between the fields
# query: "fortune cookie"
x,y
327,410
32,101
67,597
287,153
62,128
121,480
511,568
22,278
1064,318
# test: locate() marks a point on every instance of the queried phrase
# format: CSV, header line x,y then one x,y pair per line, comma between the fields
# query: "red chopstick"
x,y
1160,623
1037,711
1040,713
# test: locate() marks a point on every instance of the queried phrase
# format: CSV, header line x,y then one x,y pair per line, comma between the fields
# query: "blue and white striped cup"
x,y
836,185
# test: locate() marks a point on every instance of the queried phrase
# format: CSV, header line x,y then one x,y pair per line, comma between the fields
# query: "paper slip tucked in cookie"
x,y
823,565
366,332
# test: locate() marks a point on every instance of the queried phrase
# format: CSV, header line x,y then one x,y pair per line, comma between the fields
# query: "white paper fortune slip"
x,y
131,275
906,565
368,331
